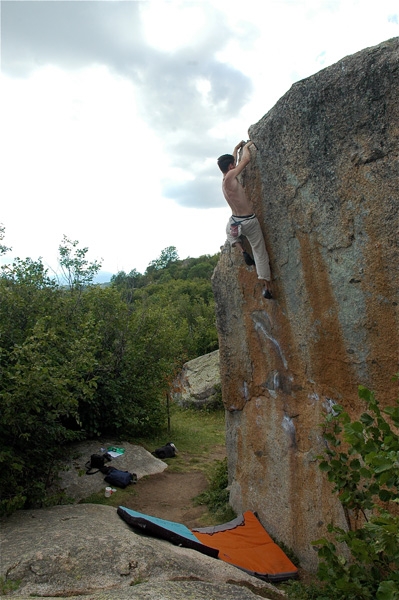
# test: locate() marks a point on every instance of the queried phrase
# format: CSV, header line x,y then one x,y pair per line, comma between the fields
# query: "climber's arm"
x,y
236,149
245,157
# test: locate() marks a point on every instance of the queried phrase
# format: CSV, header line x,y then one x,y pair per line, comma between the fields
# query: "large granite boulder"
x,y
88,551
198,383
325,186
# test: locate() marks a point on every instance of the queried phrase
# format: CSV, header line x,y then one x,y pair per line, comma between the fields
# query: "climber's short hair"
x,y
225,161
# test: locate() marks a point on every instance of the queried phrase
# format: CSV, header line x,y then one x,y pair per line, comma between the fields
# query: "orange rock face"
x,y
325,187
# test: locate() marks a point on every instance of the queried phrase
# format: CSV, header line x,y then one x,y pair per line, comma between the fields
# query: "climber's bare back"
x,y
235,195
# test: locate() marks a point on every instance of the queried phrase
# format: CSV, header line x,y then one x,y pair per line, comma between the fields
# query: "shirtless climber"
x,y
243,220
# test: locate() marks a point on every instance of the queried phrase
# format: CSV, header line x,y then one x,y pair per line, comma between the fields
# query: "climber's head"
x,y
225,161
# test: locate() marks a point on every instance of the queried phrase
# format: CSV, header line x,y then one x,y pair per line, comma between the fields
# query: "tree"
x,y
167,256
78,272
25,296
45,370
126,284
366,477
96,362
3,249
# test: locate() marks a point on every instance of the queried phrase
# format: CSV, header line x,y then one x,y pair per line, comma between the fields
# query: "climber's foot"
x,y
266,293
248,259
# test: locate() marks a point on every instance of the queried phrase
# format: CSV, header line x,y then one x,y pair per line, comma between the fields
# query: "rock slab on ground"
x,y
88,551
77,485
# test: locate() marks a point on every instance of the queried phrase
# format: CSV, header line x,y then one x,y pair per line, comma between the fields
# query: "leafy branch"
x,y
362,462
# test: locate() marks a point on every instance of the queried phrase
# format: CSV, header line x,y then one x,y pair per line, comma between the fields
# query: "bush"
x,y
366,478
79,360
216,497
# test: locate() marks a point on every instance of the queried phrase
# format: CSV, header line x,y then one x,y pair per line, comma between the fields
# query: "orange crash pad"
x,y
245,544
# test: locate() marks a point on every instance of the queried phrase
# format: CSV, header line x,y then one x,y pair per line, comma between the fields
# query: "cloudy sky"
x,y
113,112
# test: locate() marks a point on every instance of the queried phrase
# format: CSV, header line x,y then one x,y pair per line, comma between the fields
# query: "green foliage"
x,y
82,360
365,474
42,380
191,309
77,271
216,497
167,256
127,283
3,249
167,267
297,590
7,586
183,288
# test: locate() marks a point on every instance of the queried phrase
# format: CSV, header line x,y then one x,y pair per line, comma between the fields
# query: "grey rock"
x,y
169,590
198,383
77,485
325,187
88,550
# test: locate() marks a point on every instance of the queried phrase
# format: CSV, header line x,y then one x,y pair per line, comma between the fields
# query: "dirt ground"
x,y
170,495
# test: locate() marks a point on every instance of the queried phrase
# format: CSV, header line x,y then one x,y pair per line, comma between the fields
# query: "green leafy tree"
x,y
78,272
25,295
82,360
167,256
365,475
184,288
3,249
130,370
191,308
42,381
127,283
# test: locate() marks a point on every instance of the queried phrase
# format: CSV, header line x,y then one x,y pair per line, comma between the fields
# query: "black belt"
x,y
243,218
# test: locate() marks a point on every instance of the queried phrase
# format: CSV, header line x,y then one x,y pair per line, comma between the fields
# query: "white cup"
x,y
108,492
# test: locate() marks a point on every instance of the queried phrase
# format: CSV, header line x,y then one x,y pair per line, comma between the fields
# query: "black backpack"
x,y
97,461
167,451
119,478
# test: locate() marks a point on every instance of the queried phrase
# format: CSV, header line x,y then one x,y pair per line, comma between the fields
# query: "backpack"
x,y
167,451
120,478
97,461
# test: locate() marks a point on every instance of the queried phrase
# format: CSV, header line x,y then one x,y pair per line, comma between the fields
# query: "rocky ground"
x,y
87,551
170,495
160,491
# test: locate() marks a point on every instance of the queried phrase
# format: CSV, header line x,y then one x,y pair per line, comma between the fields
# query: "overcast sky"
x,y
113,112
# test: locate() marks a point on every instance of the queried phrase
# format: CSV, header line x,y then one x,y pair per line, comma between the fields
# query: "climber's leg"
x,y
253,232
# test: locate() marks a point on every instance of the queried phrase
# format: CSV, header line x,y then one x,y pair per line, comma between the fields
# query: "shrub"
x,y
366,477
216,497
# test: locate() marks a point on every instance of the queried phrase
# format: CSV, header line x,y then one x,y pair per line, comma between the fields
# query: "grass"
x,y
120,498
216,497
195,433
8,585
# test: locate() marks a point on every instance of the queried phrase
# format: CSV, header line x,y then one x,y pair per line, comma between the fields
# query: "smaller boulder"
x,y
77,485
198,384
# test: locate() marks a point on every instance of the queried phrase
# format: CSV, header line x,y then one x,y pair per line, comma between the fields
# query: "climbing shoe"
x,y
248,259
267,294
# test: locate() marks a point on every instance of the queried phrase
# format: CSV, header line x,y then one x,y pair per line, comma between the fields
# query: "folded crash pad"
x,y
242,542
171,531
245,544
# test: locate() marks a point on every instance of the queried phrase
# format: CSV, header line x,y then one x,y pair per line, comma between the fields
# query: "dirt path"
x,y
169,495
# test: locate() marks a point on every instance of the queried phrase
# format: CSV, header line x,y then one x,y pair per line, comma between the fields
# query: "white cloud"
x,y
113,113
169,26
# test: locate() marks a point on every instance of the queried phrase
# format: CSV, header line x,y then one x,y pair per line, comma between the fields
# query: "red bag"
x,y
234,231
